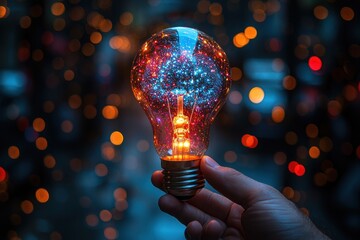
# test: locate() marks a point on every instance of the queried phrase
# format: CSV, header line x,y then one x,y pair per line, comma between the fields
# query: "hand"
x,y
247,209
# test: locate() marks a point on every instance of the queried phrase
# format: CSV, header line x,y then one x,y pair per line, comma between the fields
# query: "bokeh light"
x,y
315,63
256,95
42,195
116,138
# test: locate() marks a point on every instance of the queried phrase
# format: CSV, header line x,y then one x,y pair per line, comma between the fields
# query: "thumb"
x,y
235,185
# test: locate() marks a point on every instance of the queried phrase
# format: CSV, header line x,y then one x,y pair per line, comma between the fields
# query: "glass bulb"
x,y
181,78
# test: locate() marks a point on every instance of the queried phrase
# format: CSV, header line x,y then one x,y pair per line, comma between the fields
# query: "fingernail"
x,y
211,163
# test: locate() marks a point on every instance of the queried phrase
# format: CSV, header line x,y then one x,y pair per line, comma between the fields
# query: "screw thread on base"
x,y
182,179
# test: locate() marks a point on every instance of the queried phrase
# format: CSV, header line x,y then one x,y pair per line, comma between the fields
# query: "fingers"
x,y
183,211
235,185
213,230
209,202
193,230
157,179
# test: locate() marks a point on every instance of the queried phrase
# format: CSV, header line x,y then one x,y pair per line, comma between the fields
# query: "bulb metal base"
x,y
182,179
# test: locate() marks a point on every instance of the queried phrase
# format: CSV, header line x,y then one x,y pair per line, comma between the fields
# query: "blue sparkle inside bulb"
x,y
180,62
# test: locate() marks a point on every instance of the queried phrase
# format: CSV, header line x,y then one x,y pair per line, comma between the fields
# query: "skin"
x,y
245,209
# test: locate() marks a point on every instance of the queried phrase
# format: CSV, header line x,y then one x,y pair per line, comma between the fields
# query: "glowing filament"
x,y
181,141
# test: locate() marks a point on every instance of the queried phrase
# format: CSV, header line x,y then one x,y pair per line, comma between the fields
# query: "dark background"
x,y
64,89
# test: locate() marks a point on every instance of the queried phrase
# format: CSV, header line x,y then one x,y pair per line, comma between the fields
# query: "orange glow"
x,y
110,233
235,97
38,124
143,145
249,141
105,215
314,152
59,24
236,73
250,32
312,130
321,12
288,192
120,194
88,49
289,82
126,18
77,13
350,93
116,138
95,37
101,170
92,220
41,143
48,106
25,22
13,152
203,6
108,151
57,9
325,144
2,174
347,13
49,161
67,126
105,25
75,101
120,43
259,15
240,40
3,11
42,195
27,207
299,170
280,158
110,112
69,75
278,114
320,179
334,108
90,111
215,9
230,156
256,95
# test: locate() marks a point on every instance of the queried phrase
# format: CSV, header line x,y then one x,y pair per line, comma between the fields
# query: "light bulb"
x,y
181,78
